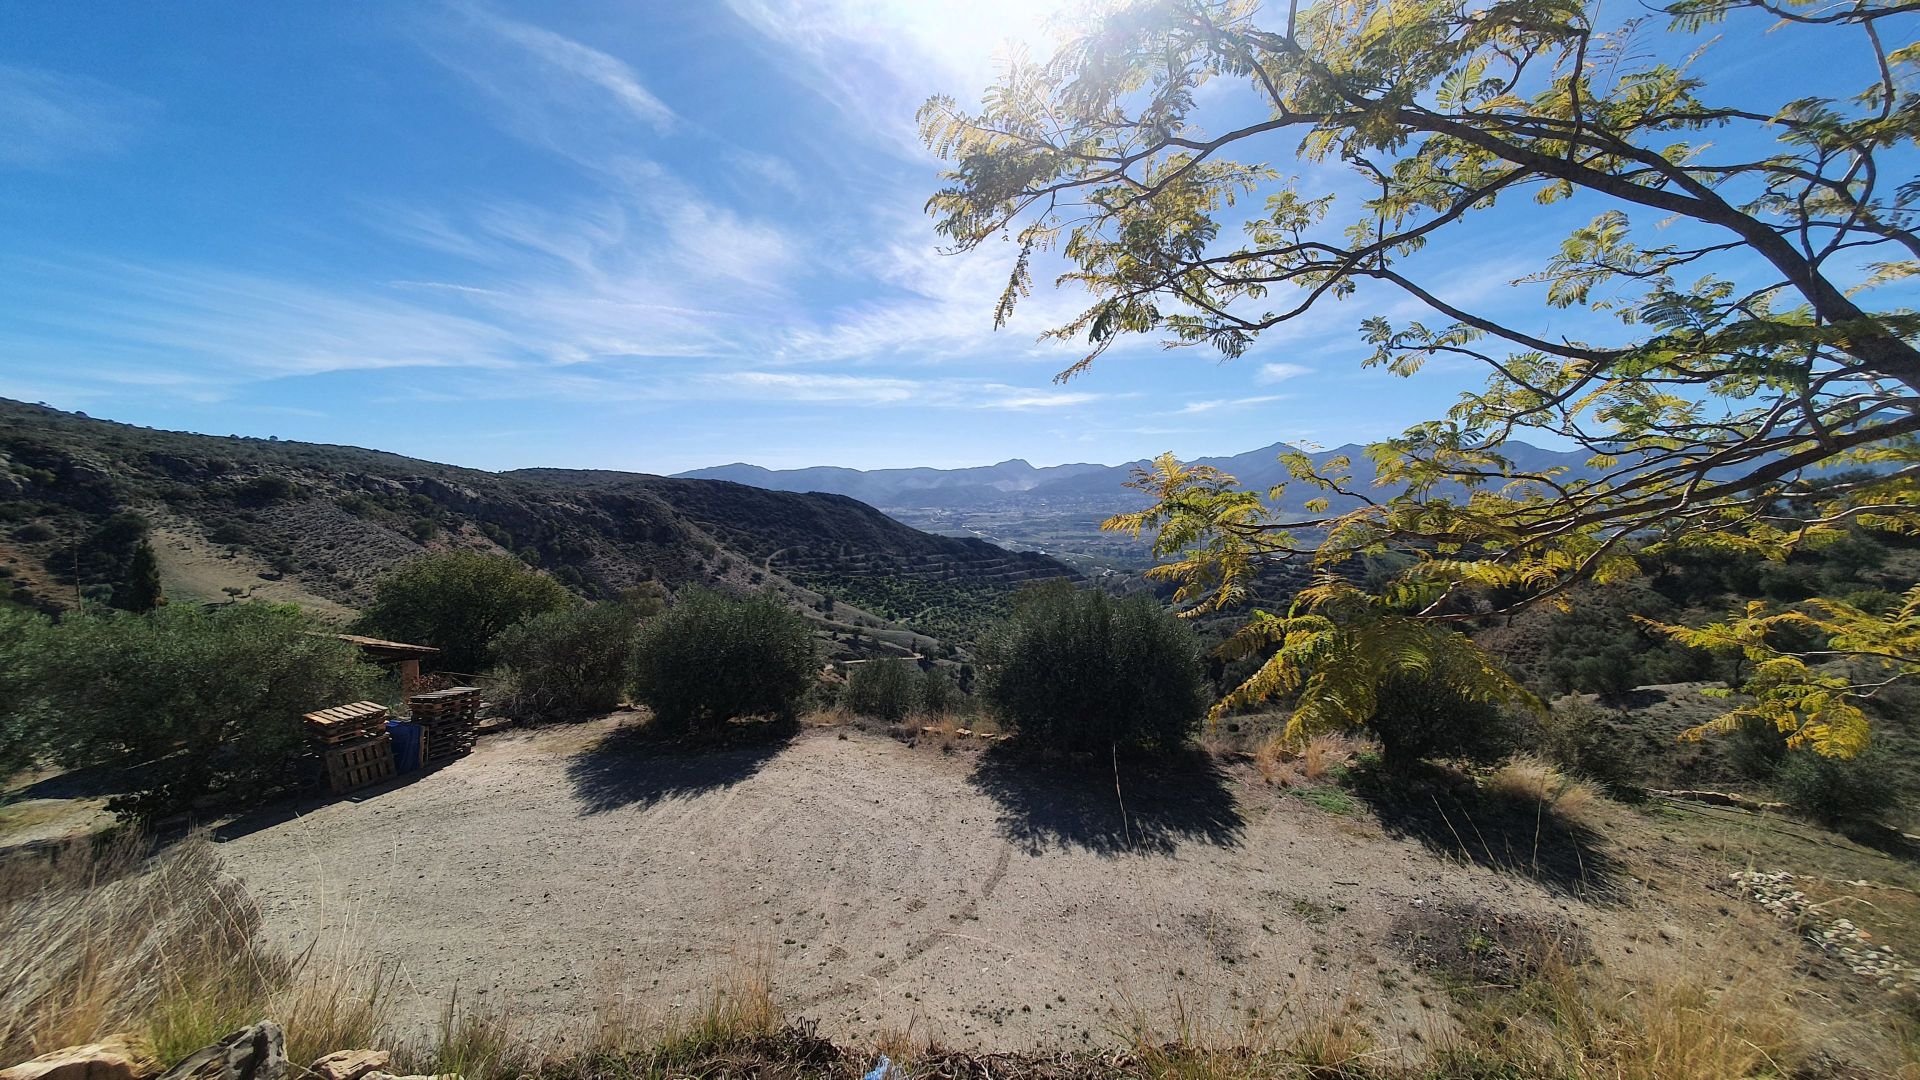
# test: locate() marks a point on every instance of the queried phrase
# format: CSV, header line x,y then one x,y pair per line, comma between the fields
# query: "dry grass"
x,y
1675,1022
1289,762
167,947
1529,781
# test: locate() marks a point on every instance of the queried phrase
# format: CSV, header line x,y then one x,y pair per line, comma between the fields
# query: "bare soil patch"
x,y
965,896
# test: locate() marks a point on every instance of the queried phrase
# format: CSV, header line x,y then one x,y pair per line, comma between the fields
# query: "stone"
x,y
258,1052
116,1057
350,1064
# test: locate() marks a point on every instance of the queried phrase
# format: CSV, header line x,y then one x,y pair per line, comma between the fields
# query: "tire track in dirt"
x,y
922,945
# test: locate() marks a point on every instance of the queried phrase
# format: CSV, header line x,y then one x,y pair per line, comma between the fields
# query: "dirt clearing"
x,y
960,896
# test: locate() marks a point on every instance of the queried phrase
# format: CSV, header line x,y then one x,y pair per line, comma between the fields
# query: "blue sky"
x,y
648,236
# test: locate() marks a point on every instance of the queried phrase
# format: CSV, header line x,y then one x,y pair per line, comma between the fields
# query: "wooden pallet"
x,y
357,764
344,724
447,718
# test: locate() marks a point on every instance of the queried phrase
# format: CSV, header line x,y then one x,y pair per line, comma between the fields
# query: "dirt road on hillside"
x,y
892,886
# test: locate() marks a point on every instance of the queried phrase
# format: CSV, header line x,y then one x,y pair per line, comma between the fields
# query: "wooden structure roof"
x,y
389,650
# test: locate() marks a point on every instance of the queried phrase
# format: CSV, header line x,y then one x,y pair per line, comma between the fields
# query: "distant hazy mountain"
x,y
1015,484
881,487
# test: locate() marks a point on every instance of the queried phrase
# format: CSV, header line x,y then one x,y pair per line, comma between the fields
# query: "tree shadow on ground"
x,y
88,782
1137,804
1448,815
637,766
1884,839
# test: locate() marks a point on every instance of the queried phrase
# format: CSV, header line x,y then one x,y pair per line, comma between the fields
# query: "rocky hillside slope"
x,y
316,524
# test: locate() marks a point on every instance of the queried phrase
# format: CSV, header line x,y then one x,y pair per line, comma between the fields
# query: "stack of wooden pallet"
x,y
353,740
448,719
347,723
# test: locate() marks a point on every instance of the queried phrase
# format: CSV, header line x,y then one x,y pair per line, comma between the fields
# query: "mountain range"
x,y
1015,482
316,525
1057,510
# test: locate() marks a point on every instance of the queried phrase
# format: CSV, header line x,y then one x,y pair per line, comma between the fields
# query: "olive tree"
x,y
714,657
203,703
458,602
1076,669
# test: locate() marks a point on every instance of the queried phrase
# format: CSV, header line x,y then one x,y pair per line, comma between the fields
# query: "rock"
x,y
252,1053
116,1057
350,1064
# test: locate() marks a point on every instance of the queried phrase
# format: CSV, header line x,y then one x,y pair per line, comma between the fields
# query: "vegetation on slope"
x,y
78,497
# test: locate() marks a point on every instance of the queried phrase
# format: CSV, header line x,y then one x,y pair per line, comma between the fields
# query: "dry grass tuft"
x,y
1527,780
1290,762
1324,755
113,943
167,947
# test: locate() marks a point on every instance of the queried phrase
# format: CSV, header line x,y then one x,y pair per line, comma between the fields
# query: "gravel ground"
x,y
893,887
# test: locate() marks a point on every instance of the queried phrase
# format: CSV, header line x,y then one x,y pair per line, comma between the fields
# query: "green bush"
x,y
712,658
139,587
458,602
1756,748
1861,790
1079,670
936,692
882,689
20,727
567,663
205,702
1578,737
1423,716
263,490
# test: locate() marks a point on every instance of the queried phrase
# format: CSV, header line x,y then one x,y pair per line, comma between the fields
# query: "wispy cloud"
x,y
51,118
550,90
877,60
1280,372
591,66
1192,408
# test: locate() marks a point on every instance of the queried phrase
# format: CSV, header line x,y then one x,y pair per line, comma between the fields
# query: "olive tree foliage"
x,y
205,703
882,689
1742,261
713,657
1076,669
21,732
458,602
568,663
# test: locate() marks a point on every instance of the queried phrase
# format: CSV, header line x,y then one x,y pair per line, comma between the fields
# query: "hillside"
x,y
316,524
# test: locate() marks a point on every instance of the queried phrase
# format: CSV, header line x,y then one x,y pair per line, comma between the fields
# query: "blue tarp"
x,y
407,740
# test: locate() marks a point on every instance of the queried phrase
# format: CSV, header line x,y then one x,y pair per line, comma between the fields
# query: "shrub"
x,y
1422,715
20,731
458,602
1756,748
263,490
936,691
882,689
139,588
1079,670
208,702
1577,736
1861,790
568,663
714,658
